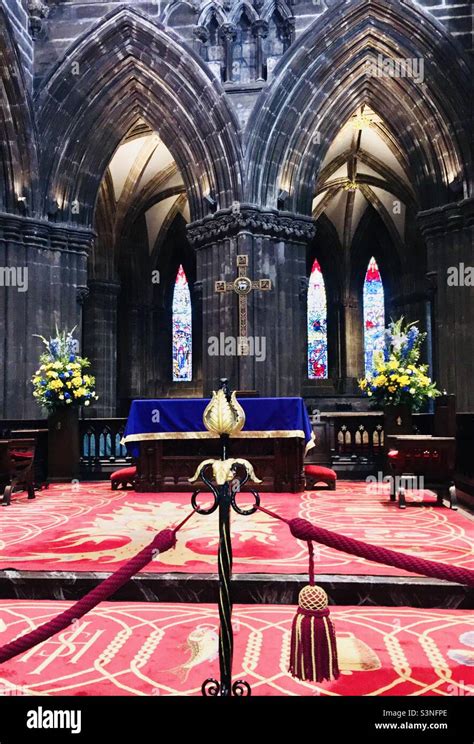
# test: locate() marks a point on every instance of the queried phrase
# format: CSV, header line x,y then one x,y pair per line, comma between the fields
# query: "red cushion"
x,y
319,472
124,473
23,455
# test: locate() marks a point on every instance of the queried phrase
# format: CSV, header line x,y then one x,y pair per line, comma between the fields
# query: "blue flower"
x,y
72,358
54,347
66,395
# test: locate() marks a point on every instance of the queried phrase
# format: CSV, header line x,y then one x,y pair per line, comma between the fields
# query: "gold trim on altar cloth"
x,y
272,434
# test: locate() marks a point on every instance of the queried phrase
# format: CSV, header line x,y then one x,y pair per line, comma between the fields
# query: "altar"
x,y
168,439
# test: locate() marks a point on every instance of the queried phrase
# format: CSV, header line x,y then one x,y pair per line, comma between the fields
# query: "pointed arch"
x,y
18,154
211,10
124,68
298,115
276,6
182,337
241,8
317,325
374,314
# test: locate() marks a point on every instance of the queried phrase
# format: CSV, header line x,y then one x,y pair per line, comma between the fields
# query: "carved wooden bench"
x,y
16,467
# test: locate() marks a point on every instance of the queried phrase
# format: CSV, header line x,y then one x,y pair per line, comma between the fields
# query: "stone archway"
x,y
18,162
322,79
127,67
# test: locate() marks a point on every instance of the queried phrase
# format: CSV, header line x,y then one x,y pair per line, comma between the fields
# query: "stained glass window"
x,y
182,330
317,325
374,314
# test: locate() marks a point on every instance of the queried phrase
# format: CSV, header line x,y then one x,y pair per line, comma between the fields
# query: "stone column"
x,y
260,31
43,267
228,34
352,334
201,37
275,247
100,343
449,235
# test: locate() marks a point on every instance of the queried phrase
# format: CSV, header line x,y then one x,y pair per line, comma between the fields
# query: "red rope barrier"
x,y
162,542
304,530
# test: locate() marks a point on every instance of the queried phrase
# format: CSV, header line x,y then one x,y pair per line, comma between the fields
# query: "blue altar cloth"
x,y
181,418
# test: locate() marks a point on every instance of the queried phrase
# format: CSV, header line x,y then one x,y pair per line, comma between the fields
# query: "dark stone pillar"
x,y
275,246
449,235
55,258
100,343
352,343
260,31
228,34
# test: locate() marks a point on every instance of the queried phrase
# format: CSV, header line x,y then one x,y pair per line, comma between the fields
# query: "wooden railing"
x,y
101,448
351,442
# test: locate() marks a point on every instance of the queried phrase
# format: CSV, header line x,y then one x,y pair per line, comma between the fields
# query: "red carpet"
x,y
169,649
88,527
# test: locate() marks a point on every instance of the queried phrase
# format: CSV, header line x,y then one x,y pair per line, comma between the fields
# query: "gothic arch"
x,y
314,92
209,10
244,7
18,165
124,68
272,6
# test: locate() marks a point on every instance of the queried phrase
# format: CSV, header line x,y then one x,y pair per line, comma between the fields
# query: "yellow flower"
x,y
391,388
51,373
403,380
380,381
55,385
79,393
76,381
393,364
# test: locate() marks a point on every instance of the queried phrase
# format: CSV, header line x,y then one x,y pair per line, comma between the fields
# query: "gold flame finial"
x,y
222,416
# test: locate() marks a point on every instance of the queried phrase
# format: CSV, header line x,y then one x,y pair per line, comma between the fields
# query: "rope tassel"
x,y
313,655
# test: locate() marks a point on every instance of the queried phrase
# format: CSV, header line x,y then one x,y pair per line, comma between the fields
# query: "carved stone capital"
x,y
228,32
449,217
260,28
37,11
201,33
225,223
43,234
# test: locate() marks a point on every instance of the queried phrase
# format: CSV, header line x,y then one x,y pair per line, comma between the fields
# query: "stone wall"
x,y
16,12
44,278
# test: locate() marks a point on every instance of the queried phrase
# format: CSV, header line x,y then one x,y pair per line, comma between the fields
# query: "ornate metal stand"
x,y
224,486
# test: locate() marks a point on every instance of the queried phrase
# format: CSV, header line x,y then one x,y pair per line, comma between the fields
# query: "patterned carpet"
x,y
86,527
169,649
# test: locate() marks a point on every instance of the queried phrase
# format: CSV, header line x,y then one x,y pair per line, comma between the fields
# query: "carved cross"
x,y
242,286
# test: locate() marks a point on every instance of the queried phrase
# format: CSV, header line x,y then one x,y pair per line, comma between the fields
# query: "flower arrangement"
x,y
61,379
397,377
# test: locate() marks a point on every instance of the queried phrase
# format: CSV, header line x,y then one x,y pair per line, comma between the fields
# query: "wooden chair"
x,y
16,467
431,458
